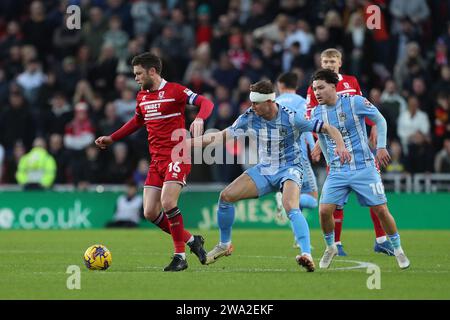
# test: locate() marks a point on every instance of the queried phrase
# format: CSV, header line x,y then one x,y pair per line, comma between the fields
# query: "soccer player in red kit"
x,y
332,59
160,107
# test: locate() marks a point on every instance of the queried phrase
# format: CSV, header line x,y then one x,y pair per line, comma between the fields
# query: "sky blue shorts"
x,y
366,183
268,180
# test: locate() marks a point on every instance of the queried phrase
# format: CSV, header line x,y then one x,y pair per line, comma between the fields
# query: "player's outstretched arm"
x,y
103,142
340,150
209,138
128,128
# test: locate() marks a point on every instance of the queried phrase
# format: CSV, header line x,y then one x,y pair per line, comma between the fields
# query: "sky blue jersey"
x,y
298,103
348,117
277,139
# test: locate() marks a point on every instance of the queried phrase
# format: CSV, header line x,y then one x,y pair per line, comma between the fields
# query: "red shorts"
x,y
161,171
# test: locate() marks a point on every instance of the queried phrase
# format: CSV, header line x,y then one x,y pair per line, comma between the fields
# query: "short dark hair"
x,y
263,86
326,75
289,79
148,60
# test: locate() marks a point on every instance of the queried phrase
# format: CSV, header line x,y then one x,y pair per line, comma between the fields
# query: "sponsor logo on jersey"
x,y
346,85
161,94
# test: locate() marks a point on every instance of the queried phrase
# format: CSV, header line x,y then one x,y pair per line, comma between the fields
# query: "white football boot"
x,y
328,256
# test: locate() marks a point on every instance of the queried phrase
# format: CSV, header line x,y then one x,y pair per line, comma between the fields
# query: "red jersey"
x,y
347,84
162,112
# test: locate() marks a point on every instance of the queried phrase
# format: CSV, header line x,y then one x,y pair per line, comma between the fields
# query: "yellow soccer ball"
x,y
97,257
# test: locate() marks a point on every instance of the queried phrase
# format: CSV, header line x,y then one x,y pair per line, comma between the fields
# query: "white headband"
x,y
261,97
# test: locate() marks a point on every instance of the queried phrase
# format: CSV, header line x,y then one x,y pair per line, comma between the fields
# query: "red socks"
x,y
379,232
338,215
176,229
163,223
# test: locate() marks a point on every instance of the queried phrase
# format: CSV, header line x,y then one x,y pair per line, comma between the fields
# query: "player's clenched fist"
x,y
103,141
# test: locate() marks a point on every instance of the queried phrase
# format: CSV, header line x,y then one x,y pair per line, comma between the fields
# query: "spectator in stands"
x,y
12,162
60,114
442,160
116,37
37,168
411,64
256,70
221,34
238,56
202,64
111,122
126,104
103,73
31,80
16,122
443,83
203,32
184,30
358,47
93,31
420,90
13,37
271,58
275,31
322,40
84,61
13,63
37,31
128,210
145,14
140,174
413,125
59,153
79,133
225,73
416,10
97,110
118,170
67,77
441,119
92,169
396,165
122,9
66,41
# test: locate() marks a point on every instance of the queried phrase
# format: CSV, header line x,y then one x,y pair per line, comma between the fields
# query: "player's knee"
x,y
290,204
227,196
151,214
325,211
168,203
381,211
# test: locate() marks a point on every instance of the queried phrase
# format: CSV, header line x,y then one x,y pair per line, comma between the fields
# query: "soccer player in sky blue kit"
x,y
287,85
347,113
277,130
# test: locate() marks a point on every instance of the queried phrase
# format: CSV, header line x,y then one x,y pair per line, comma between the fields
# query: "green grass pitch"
x,y
33,265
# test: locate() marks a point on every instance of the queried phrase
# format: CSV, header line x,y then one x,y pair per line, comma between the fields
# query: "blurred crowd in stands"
x,y
61,88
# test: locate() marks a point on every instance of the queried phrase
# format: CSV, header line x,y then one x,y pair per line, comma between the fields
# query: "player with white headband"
x,y
276,129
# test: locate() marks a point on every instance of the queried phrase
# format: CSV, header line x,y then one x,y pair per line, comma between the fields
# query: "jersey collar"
x,y
163,83
340,77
